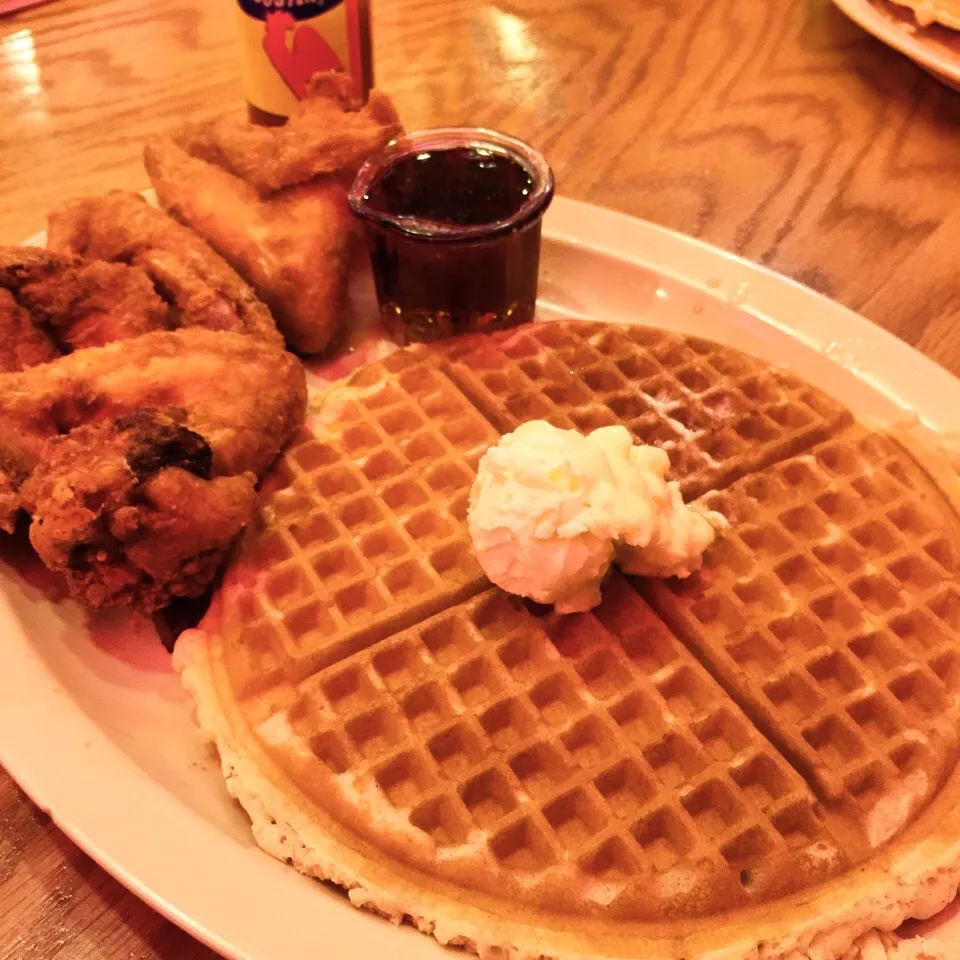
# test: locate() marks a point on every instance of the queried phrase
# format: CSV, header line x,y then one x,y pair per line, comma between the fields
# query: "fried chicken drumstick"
x,y
201,288
137,461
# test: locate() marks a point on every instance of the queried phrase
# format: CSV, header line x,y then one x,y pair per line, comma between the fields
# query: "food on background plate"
x,y
137,461
927,12
550,509
200,287
272,201
52,304
764,751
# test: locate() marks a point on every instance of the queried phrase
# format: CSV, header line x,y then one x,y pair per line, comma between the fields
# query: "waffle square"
x,y
718,412
361,525
830,610
581,761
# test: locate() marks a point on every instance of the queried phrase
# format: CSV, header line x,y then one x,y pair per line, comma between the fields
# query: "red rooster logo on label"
x,y
308,55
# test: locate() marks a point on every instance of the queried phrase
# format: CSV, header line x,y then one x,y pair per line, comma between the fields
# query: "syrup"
x,y
453,227
458,186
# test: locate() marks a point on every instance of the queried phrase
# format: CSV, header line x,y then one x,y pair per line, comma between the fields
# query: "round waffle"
x,y
756,762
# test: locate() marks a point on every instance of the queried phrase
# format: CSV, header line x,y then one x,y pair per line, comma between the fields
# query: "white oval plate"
x,y
94,725
896,27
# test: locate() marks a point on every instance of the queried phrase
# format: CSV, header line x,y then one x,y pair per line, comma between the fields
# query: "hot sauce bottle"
x,y
284,42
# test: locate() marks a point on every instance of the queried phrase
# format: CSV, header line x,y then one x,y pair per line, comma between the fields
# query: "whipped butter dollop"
x,y
551,510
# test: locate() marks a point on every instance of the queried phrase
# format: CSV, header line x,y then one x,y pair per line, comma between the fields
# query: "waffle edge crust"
x,y
759,762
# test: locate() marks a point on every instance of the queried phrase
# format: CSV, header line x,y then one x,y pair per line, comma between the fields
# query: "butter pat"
x,y
551,510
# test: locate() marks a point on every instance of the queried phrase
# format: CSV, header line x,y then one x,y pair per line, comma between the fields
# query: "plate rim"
x,y
913,46
217,906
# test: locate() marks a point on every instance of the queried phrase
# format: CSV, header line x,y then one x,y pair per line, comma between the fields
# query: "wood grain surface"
x,y
776,129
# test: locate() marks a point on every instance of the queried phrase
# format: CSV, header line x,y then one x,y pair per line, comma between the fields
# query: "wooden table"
x,y
775,129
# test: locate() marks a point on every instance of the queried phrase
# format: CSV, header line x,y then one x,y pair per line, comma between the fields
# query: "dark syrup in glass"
x,y
449,252
457,187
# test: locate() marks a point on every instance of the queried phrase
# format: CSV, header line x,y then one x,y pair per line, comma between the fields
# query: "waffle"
x,y
362,531
831,612
755,762
719,413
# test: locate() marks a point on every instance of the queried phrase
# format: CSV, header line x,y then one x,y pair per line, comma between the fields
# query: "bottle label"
x,y
299,9
284,42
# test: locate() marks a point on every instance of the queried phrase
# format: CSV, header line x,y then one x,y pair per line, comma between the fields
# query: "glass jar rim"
x,y
451,137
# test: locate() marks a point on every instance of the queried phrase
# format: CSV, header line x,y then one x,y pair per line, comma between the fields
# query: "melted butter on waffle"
x,y
764,752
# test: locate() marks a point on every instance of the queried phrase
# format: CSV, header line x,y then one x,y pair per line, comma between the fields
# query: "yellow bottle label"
x,y
284,42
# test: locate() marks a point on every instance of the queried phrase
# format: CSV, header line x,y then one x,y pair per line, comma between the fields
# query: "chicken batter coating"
x,y
201,288
293,247
52,304
137,461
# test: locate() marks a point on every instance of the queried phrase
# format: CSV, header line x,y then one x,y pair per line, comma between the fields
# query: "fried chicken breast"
x,y
272,201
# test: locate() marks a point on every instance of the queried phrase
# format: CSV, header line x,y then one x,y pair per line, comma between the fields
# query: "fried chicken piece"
x,y
128,511
292,247
331,131
22,343
9,502
201,286
272,201
245,398
67,303
94,303
137,461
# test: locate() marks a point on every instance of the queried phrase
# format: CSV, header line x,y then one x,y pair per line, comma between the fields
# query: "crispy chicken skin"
x,y
244,397
95,303
203,290
330,132
22,343
292,247
129,512
137,461
51,304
